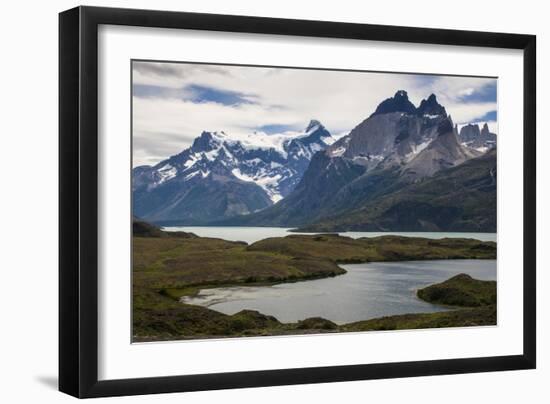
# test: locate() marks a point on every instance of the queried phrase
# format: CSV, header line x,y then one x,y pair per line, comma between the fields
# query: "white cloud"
x,y
165,125
466,91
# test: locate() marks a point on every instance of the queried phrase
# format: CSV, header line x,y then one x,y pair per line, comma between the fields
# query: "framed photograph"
x,y
251,201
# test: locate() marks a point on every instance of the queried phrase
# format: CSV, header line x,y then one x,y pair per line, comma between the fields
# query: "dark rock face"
x,y
313,124
205,142
398,103
469,132
372,139
430,106
444,127
474,138
485,130
443,152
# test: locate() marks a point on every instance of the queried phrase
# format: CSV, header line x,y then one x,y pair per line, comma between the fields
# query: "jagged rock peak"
x,y
205,142
445,126
431,107
485,129
398,103
471,126
313,124
469,132
401,94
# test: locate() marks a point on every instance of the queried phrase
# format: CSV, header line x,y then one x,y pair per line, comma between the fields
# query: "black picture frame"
x,y
78,201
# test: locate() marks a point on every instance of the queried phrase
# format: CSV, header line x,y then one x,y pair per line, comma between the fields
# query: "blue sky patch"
x,y
275,128
194,93
489,116
487,93
202,94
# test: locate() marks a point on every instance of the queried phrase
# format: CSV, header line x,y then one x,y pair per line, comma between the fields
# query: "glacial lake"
x,y
253,234
366,291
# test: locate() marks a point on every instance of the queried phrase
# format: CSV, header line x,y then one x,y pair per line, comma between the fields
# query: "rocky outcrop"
x,y
431,107
443,152
398,103
481,140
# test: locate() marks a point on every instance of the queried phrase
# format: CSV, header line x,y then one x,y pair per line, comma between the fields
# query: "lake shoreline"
x,y
462,313
251,234
214,297
167,266
195,289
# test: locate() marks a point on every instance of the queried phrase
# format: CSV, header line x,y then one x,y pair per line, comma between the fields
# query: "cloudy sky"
x,y
174,102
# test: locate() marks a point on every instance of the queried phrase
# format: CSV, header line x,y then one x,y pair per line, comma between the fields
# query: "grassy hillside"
x,y
384,248
455,318
168,263
461,290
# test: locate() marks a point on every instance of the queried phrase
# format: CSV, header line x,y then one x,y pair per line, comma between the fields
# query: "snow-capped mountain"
x,y
392,172
243,173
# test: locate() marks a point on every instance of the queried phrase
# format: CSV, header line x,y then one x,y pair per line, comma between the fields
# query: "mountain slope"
x,y
461,198
443,152
311,194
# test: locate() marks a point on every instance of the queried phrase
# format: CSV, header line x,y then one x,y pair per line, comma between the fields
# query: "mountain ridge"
x,y
219,176
394,148
309,179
